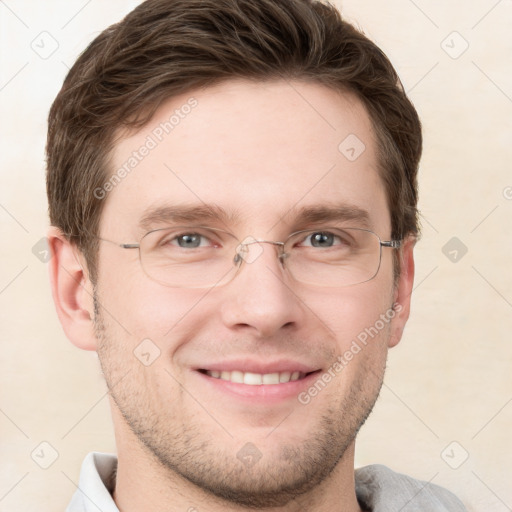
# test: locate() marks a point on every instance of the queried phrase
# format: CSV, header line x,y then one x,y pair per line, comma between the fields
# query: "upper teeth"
x,y
255,379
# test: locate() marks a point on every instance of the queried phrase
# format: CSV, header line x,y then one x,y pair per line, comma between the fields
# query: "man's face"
x,y
264,151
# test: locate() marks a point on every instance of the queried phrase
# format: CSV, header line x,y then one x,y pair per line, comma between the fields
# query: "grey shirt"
x,y
378,489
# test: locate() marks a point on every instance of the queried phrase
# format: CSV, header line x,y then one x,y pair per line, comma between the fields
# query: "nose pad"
x,y
250,249
248,255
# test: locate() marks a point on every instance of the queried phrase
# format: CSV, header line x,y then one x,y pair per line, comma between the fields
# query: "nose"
x,y
261,298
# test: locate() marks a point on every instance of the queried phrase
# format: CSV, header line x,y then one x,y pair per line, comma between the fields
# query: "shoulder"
x,y
380,489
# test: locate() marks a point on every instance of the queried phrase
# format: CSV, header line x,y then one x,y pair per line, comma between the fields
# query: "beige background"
x,y
450,378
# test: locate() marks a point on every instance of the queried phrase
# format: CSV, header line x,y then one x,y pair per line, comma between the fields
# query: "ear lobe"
x,y
403,291
72,291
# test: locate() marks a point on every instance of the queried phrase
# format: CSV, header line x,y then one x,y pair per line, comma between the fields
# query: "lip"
x,y
263,393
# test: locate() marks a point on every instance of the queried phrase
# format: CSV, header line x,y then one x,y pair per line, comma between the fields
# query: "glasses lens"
x,y
188,257
333,257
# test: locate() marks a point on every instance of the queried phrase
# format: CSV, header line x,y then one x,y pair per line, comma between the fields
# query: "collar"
x,y
378,489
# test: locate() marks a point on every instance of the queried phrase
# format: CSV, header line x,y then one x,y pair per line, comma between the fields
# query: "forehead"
x,y
260,152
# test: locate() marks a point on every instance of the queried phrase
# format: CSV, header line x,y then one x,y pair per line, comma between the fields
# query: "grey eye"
x,y
322,239
189,240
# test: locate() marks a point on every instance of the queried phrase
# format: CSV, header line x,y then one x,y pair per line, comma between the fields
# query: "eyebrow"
x,y
198,213
331,213
171,214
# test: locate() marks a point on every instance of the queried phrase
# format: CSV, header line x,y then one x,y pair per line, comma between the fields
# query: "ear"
x,y
72,290
402,292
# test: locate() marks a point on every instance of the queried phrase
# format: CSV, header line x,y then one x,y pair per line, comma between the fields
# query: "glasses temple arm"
x,y
394,244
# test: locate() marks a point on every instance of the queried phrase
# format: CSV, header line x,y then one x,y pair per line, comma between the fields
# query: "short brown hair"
x,y
164,48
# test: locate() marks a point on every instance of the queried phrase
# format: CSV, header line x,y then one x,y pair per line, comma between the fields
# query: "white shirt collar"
x,y
97,478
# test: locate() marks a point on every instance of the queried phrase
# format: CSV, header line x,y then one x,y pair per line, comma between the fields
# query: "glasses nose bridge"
x,y
254,241
242,251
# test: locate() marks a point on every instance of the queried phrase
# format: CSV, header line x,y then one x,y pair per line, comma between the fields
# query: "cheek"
x,y
361,323
352,312
142,307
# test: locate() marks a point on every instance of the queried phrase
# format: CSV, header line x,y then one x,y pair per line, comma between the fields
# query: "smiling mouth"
x,y
256,379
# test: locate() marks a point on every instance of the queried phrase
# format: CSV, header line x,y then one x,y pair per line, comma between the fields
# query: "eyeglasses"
x,y
202,257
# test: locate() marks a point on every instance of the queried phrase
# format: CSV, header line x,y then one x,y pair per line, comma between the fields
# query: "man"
x,y
232,190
